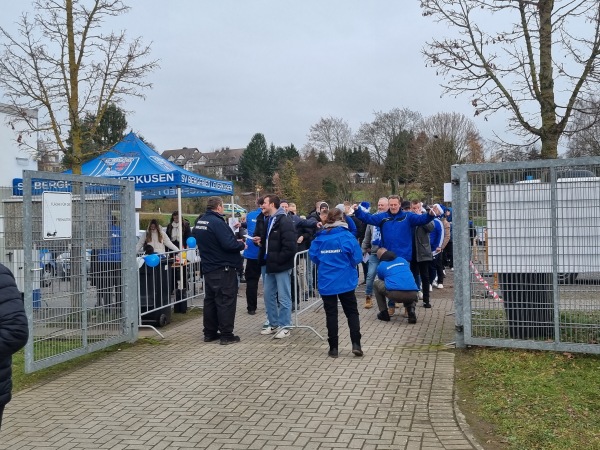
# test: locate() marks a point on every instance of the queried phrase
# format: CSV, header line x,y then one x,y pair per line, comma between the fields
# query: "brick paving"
x,y
260,394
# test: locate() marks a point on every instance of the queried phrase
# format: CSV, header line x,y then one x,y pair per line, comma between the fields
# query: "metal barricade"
x,y
305,293
527,254
168,281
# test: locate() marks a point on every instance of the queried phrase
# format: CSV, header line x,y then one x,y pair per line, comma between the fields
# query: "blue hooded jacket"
x,y
336,253
396,275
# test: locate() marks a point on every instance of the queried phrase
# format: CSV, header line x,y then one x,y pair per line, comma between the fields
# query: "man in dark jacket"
x,y
422,256
277,240
14,331
220,256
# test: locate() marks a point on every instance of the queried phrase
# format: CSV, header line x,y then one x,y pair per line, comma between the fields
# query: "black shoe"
x,y
252,312
212,338
230,340
242,279
333,352
383,315
412,315
426,305
357,350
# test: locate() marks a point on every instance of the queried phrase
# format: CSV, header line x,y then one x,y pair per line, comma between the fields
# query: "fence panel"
x,y
527,254
77,237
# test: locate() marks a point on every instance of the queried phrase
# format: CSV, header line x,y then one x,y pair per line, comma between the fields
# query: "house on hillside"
x,y
222,164
183,157
362,177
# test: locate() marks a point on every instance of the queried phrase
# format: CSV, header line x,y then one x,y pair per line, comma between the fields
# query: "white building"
x,y
15,156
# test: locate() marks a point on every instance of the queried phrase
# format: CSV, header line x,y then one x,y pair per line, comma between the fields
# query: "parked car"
x,y
235,209
63,263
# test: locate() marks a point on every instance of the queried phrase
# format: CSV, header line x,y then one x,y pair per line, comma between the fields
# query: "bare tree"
x,y
451,138
460,132
329,134
379,134
535,59
62,63
586,140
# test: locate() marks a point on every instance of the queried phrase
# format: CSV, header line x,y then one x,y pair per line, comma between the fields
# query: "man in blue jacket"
x,y
220,256
395,282
252,272
396,226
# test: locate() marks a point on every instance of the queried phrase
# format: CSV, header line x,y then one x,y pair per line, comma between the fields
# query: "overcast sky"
x,y
232,68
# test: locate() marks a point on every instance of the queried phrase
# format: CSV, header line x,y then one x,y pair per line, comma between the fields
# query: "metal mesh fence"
x,y
77,284
527,238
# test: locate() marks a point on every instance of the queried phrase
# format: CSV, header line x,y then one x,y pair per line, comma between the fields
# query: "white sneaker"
x,y
270,330
266,325
440,286
283,333
434,284
430,288
420,295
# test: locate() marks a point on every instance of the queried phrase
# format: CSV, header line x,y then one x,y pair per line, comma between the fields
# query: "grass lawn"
x,y
21,380
517,399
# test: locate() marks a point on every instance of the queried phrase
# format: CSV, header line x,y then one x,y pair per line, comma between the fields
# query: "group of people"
x,y
403,241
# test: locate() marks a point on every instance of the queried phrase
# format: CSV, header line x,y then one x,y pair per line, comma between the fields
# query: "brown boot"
x,y
391,311
368,302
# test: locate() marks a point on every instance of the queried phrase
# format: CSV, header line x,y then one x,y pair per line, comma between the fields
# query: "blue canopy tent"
x,y
153,175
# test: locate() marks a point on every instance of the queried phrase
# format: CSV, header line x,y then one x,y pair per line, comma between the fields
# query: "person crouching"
x,y
395,282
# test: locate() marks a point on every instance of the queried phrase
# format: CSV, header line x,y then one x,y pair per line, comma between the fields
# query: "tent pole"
x,y
181,243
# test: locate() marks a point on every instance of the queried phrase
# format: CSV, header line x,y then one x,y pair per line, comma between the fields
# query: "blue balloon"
x,y
152,260
191,242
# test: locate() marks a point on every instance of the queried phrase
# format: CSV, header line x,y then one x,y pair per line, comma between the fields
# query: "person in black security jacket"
x,y
14,332
220,255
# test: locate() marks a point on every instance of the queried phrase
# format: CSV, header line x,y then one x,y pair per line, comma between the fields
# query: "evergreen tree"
x,y
254,163
95,141
290,183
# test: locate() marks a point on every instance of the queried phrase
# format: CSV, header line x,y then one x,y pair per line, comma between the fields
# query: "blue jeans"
x,y
373,265
278,297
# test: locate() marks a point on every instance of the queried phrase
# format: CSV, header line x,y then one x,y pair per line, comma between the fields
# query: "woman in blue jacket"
x,y
336,253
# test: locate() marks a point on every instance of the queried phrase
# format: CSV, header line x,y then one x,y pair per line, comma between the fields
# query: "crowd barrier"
x,y
175,282
305,293
168,283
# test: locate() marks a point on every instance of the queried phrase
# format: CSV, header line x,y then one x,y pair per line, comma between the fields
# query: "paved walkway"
x,y
260,394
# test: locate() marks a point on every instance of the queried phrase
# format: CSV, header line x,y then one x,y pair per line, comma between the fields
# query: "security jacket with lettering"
x,y
336,253
216,242
396,275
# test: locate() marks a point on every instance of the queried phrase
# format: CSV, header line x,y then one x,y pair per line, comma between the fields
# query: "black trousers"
x,y
436,268
1,411
252,275
448,257
421,269
220,300
348,301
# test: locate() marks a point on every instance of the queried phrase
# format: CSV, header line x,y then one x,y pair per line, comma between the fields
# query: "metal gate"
x,y
75,236
527,254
